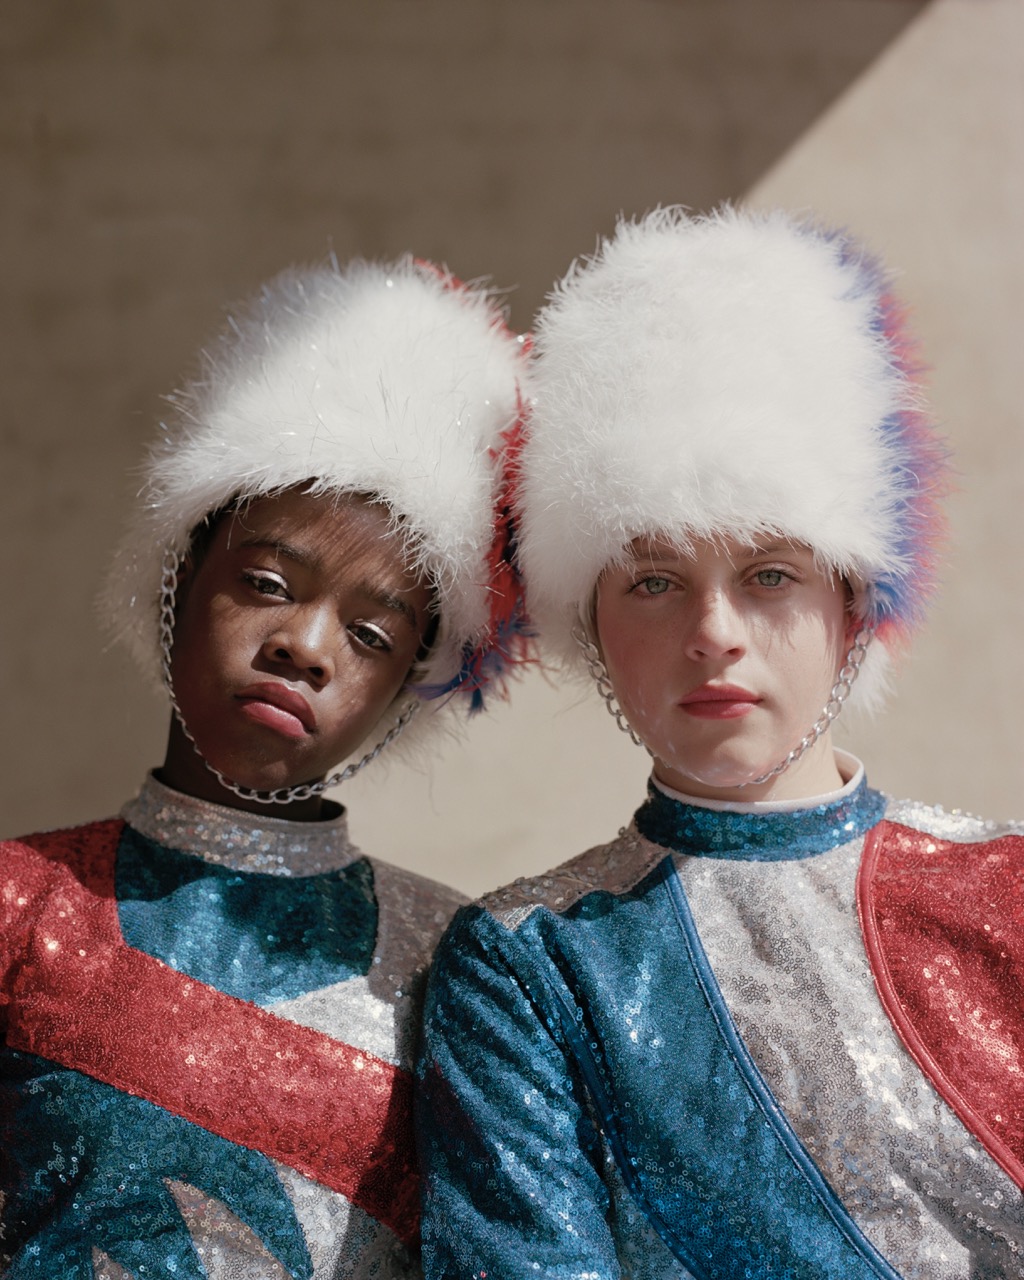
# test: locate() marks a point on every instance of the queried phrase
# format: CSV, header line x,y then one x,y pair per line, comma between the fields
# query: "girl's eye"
x,y
770,577
266,584
371,636
654,586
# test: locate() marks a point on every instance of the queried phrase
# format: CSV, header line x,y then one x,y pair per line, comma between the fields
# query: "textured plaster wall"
x,y
157,161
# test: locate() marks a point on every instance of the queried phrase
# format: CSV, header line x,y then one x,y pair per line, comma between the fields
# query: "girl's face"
x,y
294,633
722,658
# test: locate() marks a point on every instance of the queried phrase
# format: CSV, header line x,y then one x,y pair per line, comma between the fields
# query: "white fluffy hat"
x,y
390,379
740,373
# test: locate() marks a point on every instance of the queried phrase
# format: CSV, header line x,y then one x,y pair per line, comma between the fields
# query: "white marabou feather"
x,y
387,379
701,377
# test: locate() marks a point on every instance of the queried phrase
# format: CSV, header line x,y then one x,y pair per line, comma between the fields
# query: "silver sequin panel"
x,y
784,942
380,1011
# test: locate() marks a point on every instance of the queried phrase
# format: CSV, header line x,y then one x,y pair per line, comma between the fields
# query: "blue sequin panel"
x,y
261,938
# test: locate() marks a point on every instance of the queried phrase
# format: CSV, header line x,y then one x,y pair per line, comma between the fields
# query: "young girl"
x,y
208,1004
773,1029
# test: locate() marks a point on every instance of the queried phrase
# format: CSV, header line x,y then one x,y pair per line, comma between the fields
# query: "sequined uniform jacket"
x,y
681,1055
208,1030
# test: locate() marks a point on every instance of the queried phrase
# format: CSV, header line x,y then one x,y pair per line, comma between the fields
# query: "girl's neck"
x,y
184,770
848,775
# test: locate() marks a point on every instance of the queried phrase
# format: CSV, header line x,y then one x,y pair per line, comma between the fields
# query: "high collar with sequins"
x,y
237,839
757,833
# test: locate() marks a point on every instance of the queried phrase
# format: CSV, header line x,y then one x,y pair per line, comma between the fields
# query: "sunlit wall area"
x,y
924,156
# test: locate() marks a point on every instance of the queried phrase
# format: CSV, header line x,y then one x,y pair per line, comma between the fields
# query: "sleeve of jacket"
x,y
510,1154
25,877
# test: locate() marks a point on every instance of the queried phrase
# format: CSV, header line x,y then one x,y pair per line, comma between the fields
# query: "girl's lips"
x,y
278,707
719,702
718,710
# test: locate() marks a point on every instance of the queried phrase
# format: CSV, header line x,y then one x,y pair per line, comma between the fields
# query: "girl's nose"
x,y
306,642
717,629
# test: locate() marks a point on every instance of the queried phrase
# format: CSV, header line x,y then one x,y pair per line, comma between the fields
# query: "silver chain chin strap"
x,y
599,671
281,795
838,694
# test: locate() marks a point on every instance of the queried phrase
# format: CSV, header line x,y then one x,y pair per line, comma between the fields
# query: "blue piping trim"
x,y
757,1085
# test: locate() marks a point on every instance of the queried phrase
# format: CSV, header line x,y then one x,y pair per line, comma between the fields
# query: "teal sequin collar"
x,y
761,836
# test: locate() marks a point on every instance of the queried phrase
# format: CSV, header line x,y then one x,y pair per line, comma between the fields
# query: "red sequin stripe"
x,y
83,998
943,926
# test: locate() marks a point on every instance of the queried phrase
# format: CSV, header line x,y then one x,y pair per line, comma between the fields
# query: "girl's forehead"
x,y
329,532
298,507
318,522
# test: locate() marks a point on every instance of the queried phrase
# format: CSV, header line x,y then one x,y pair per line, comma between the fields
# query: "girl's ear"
x,y
183,580
854,621
587,622
199,542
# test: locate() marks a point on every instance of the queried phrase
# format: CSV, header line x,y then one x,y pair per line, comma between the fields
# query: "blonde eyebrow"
x,y
780,549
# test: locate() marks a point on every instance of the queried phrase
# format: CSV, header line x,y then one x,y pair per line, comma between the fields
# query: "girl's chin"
x,y
732,778
278,782
711,778
262,779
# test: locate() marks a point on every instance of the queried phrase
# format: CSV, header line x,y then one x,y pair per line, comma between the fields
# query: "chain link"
x,y
838,694
280,795
599,671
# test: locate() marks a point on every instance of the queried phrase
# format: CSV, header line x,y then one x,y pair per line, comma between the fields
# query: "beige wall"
x,y
158,160
925,157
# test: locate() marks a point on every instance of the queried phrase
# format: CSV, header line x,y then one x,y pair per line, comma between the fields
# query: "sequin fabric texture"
x,y
668,1058
208,1027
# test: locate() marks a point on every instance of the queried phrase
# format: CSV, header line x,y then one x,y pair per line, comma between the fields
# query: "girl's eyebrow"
x,y
648,557
308,559
391,602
